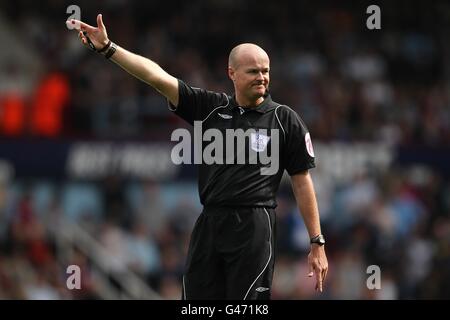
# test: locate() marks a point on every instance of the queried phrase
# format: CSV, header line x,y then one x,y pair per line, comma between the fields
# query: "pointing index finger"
x,y
79,25
319,278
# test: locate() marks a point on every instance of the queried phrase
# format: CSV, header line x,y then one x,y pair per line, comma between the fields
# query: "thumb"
x,y
311,271
100,24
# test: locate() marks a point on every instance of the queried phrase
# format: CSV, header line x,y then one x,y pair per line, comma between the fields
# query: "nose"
x,y
260,76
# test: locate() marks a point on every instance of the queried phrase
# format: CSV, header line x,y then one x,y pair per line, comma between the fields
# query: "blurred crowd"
x,y
397,221
348,83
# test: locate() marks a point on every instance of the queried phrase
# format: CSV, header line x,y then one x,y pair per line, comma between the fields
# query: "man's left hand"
x,y
318,265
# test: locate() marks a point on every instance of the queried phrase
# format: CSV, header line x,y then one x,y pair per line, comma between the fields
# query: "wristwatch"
x,y
319,239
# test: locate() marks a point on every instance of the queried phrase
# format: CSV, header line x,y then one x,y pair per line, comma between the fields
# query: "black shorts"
x,y
231,254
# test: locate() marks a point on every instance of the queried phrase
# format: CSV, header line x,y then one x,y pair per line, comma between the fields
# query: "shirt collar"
x,y
263,107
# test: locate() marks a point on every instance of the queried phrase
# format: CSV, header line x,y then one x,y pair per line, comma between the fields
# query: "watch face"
x,y
319,240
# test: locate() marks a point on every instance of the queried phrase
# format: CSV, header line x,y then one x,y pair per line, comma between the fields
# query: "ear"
x,y
231,73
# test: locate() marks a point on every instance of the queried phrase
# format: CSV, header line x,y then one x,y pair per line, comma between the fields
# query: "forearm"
x,y
303,189
138,66
147,71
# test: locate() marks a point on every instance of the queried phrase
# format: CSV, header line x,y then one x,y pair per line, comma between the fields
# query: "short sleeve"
x,y
298,152
194,104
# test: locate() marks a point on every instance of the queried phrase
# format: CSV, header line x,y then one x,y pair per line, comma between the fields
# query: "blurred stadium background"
x,y
85,170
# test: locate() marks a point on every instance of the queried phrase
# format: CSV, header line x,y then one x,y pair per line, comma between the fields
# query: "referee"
x,y
231,251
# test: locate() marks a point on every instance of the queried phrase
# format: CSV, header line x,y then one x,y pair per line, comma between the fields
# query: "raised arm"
x,y
138,66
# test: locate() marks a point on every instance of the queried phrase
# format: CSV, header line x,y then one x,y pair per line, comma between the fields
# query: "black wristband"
x,y
105,47
112,49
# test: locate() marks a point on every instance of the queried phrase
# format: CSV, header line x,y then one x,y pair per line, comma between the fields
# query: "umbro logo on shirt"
x,y
261,289
225,116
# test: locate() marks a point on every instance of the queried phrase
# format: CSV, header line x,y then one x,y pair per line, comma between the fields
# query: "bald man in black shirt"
x,y
231,251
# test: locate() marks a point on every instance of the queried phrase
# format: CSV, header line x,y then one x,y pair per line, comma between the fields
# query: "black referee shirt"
x,y
243,184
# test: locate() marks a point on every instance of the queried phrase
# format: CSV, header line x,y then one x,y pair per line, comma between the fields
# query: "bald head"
x,y
248,68
244,52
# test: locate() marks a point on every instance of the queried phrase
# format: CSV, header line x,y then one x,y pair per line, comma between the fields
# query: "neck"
x,y
248,103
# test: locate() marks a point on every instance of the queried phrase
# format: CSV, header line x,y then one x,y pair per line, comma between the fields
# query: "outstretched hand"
x,y
97,35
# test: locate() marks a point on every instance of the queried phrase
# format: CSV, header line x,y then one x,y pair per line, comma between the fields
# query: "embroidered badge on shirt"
x,y
259,141
309,146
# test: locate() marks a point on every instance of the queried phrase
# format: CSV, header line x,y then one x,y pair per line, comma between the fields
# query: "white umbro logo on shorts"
x,y
225,116
261,289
